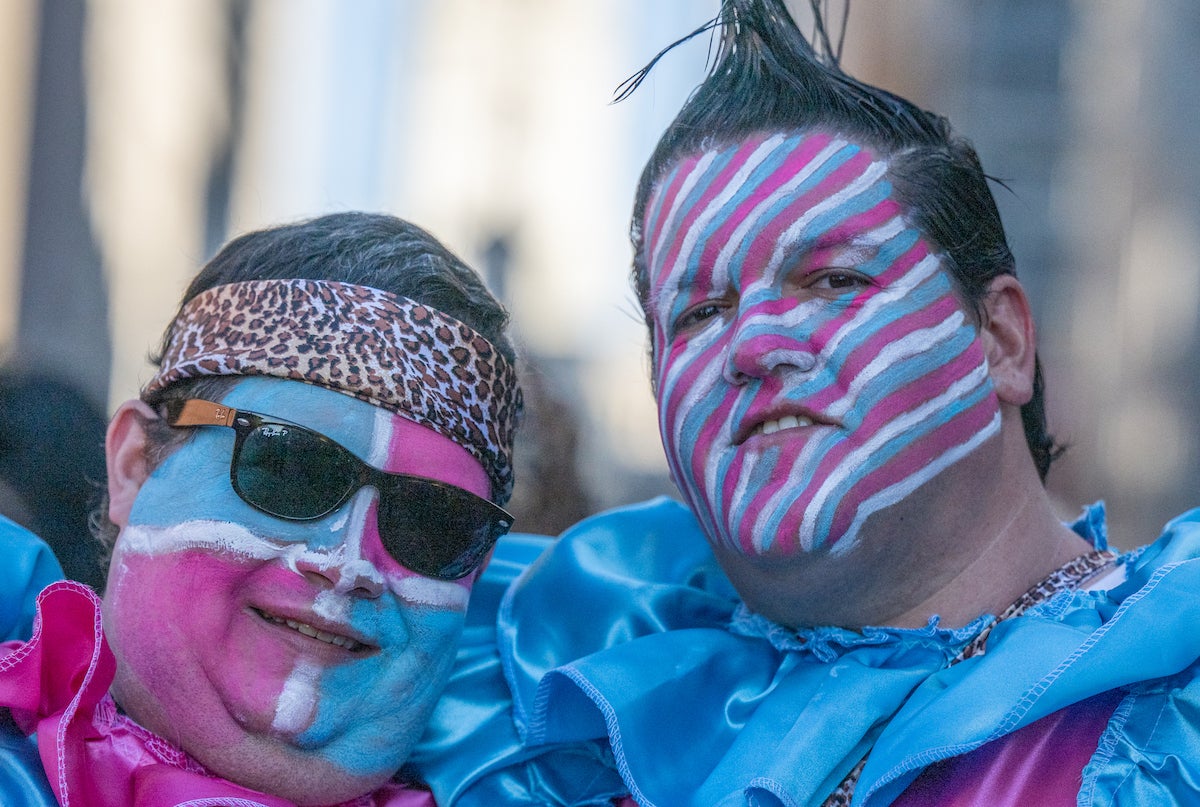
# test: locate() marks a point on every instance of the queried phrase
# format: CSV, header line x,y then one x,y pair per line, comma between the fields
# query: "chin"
x,y
280,770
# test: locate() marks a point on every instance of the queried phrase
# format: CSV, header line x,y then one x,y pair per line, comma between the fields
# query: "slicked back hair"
x,y
768,77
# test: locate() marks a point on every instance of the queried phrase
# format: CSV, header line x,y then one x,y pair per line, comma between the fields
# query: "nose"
x,y
343,563
352,577
763,344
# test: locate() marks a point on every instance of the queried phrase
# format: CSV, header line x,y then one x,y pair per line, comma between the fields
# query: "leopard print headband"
x,y
382,348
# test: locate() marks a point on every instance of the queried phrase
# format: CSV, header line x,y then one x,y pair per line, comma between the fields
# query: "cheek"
x,y
940,372
169,615
145,591
694,398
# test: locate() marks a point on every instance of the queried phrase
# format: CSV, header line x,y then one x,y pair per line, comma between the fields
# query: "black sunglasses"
x,y
290,472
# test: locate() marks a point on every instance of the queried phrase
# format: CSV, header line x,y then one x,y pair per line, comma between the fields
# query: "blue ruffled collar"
x,y
828,643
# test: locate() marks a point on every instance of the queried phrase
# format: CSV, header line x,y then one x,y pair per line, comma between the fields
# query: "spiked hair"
x,y
768,77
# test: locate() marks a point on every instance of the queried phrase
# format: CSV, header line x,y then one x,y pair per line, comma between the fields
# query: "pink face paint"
x,y
814,363
234,629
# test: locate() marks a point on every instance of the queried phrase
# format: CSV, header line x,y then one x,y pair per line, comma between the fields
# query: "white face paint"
x,y
234,629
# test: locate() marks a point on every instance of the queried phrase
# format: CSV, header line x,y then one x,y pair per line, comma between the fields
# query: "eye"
x,y
696,317
836,282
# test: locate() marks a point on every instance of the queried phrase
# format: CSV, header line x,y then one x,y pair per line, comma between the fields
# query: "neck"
x,y
1018,553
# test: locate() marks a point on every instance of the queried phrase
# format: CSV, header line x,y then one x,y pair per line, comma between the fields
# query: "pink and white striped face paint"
x,y
814,363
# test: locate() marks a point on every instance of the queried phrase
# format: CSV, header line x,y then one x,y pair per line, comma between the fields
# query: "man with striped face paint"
x,y
823,386
303,496
866,597
813,360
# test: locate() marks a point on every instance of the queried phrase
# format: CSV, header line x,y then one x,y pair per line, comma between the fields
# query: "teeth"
x,y
785,422
308,630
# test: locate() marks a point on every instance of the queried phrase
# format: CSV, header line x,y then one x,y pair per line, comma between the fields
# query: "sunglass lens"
x,y
436,530
291,472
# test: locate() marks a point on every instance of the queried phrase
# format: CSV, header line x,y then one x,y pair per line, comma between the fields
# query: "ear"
x,y
1009,340
125,453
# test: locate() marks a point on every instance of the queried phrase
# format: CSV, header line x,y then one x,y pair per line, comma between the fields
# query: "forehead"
x,y
341,417
767,158
379,436
765,191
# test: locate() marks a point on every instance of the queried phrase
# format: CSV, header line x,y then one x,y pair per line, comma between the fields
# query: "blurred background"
x,y
140,135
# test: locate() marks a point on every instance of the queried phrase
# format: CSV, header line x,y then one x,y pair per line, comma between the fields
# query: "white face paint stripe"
x,y
298,699
426,591
239,542
352,566
381,438
211,536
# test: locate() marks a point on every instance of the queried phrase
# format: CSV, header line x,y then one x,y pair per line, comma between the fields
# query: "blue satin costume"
x,y
26,567
634,669
622,663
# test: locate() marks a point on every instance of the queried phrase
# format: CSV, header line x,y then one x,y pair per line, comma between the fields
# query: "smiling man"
x,y
302,499
819,376
866,597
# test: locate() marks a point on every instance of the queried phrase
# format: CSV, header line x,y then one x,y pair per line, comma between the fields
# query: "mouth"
x,y
775,423
785,422
347,643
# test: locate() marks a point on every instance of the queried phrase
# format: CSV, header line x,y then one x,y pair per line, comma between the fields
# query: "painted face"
x,y
243,636
814,364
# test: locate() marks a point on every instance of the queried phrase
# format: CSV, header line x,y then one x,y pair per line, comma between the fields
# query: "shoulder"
x,y
1150,752
642,568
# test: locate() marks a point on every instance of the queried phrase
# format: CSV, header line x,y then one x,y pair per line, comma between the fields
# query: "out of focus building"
x,y
141,135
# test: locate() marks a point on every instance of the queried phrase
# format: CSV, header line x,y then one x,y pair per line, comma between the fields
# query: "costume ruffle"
x,y
626,639
56,685
471,744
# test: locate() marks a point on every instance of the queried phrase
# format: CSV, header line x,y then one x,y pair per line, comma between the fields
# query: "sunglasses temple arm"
x,y
198,412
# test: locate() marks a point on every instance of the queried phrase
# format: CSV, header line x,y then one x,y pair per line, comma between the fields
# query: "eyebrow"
x,y
826,240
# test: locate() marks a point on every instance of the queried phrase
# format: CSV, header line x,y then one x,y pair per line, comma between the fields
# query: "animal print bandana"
x,y
382,348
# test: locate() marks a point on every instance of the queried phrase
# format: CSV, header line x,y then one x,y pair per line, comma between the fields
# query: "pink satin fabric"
x,y
1040,764
57,685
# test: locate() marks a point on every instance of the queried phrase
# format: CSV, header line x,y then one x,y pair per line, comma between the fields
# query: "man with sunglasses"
x,y
299,503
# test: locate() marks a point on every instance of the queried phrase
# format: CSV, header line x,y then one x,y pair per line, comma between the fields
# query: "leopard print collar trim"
x,y
382,348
